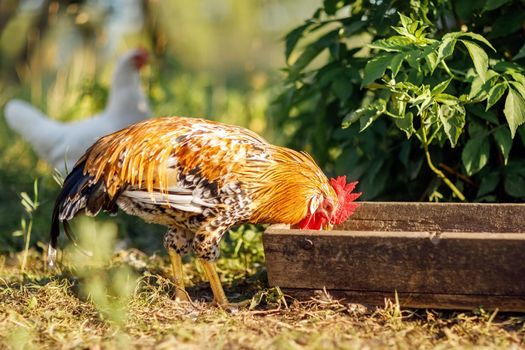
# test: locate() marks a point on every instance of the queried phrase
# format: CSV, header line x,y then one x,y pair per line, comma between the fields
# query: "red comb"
x,y
140,57
346,197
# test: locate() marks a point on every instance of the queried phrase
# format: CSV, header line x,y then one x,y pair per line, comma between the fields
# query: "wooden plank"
x,y
445,255
409,262
437,217
417,300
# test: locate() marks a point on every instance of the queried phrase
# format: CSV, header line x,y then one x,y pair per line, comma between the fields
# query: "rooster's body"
x,y
62,144
199,178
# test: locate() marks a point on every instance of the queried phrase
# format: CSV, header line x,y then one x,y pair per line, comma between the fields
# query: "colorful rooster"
x,y
200,178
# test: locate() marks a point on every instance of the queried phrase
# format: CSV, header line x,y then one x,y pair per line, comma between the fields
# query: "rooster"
x,y
62,144
199,178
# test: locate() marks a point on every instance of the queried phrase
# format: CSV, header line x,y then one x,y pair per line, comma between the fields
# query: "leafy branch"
x,y
385,71
440,112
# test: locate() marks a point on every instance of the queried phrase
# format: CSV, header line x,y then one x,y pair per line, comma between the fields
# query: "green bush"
x,y
419,100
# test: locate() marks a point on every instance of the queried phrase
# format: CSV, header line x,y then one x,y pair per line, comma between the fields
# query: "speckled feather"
x,y
196,176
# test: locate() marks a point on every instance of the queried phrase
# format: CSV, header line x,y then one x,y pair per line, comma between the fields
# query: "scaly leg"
x,y
215,283
178,274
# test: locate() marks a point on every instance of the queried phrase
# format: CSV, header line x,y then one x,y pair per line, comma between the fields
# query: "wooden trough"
x,y
444,256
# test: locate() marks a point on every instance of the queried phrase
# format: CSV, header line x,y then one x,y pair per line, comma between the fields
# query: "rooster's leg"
x,y
178,274
215,283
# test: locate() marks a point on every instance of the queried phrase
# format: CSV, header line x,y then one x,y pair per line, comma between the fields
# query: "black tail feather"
x,y
55,232
69,188
78,193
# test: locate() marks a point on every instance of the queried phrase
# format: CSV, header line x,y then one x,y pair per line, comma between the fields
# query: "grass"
x,y
46,311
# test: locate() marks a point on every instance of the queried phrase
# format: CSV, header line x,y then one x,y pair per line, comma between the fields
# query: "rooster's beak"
x,y
328,227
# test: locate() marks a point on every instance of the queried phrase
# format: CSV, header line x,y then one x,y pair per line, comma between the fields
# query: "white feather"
x,y
185,200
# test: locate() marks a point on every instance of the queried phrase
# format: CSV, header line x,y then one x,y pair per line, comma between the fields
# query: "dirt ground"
x,y
128,302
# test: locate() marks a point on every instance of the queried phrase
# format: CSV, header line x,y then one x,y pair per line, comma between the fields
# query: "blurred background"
x,y
214,59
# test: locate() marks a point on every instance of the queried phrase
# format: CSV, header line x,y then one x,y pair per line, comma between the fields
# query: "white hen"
x,y
56,142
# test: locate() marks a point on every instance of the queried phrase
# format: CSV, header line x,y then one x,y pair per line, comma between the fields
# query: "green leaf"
x,y
453,119
331,6
445,49
412,57
494,4
495,94
28,204
394,43
352,117
475,36
304,59
367,119
421,35
475,129
503,141
514,185
514,110
395,64
422,101
519,78
409,27
479,58
520,54
397,105
18,233
375,68
342,87
439,88
488,184
446,99
292,38
406,123
366,115
335,50
478,111
479,90
374,179
312,51
507,67
475,154
432,61
373,112
328,74
405,21
519,87
476,88
353,27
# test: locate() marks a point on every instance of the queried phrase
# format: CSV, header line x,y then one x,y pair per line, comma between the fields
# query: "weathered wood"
x,y
416,300
449,263
434,255
437,217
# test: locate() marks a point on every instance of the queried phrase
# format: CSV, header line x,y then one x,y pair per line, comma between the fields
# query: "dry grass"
x,y
46,311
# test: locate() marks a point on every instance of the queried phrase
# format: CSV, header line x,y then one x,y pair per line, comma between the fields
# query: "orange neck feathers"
x,y
283,187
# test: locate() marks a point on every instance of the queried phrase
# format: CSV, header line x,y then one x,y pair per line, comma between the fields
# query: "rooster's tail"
x,y
80,192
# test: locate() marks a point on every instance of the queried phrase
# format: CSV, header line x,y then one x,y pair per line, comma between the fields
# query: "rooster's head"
x,y
333,209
